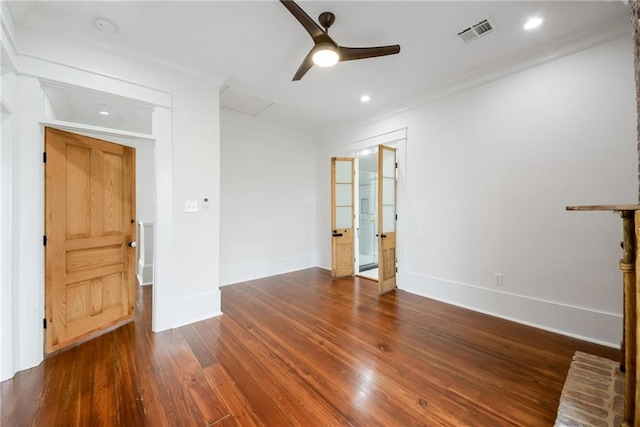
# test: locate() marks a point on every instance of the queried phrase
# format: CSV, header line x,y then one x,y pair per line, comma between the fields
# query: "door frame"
x,y
356,195
397,139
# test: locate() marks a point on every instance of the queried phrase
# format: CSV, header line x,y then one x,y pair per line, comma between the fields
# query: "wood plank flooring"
x,y
301,349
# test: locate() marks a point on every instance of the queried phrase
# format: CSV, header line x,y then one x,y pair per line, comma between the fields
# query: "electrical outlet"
x,y
498,279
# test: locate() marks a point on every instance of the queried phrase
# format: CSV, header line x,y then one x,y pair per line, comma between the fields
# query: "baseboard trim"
x,y
586,324
145,274
195,308
257,270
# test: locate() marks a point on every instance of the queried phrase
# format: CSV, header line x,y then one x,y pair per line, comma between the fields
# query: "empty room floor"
x,y
303,349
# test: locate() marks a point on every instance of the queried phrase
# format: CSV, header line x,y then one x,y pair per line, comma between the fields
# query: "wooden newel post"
x,y
636,297
630,347
628,267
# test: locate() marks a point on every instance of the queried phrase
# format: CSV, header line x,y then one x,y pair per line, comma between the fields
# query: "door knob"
x,y
133,244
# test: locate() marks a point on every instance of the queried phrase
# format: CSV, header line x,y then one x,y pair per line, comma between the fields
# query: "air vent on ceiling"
x,y
482,28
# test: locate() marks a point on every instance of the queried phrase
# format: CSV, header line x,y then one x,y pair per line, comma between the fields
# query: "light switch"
x,y
191,206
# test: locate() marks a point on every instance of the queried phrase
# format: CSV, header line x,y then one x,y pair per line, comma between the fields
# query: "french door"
x,y
386,218
343,217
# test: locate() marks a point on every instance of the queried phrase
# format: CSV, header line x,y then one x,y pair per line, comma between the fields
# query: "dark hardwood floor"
x,y
301,349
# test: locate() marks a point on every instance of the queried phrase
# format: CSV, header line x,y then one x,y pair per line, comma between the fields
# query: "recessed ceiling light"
x,y
533,23
365,98
103,112
104,25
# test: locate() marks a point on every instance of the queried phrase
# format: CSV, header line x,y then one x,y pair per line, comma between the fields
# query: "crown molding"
x,y
9,49
231,116
163,59
530,58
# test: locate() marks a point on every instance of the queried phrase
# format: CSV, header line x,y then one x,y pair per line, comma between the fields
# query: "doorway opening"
x,y
367,172
110,121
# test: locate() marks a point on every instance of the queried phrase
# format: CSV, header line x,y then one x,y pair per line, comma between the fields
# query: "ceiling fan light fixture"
x,y
325,55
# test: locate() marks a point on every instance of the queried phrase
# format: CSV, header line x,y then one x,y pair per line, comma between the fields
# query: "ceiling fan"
x,y
325,51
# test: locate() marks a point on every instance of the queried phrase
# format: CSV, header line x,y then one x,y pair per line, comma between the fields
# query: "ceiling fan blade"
x,y
314,30
351,53
305,66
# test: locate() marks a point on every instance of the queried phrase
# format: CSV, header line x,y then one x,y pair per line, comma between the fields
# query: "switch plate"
x,y
191,206
498,279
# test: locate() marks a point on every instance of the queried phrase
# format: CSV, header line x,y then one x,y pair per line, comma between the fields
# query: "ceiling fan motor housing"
x,y
326,19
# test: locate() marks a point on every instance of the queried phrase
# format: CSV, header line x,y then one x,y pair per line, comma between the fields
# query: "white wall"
x,y
186,156
144,182
484,183
268,200
8,82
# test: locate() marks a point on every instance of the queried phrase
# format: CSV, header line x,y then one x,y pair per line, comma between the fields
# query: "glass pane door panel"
x,y
344,195
389,191
388,219
389,164
344,171
344,217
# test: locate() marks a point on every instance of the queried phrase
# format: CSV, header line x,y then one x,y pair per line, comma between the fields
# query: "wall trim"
x,y
145,270
166,60
256,270
531,58
390,137
583,323
231,116
73,126
7,37
195,308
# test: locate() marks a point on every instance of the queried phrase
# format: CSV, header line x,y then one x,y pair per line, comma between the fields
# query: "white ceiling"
x,y
259,44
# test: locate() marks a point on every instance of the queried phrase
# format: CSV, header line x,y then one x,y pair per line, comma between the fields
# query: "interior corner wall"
x,y
8,349
27,225
268,201
196,237
487,176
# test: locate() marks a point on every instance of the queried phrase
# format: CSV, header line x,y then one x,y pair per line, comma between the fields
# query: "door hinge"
x,y
44,157
396,165
396,217
44,323
44,240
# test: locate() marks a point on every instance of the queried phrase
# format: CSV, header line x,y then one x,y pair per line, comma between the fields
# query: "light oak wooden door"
x,y
89,227
342,217
386,218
